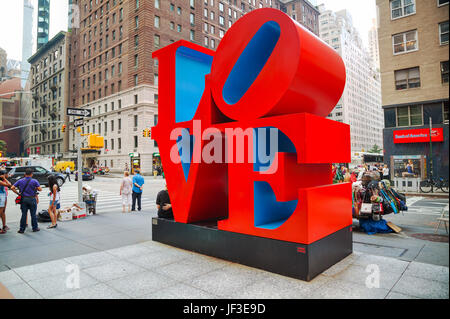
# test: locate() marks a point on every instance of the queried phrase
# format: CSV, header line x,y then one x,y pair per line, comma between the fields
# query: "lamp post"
x,y
431,153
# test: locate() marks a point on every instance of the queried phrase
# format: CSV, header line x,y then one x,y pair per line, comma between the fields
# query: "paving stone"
x,y
396,295
60,284
337,289
360,274
421,288
129,251
9,278
139,284
281,287
341,265
180,291
23,291
99,291
190,268
385,264
92,259
112,270
156,259
42,270
227,281
428,271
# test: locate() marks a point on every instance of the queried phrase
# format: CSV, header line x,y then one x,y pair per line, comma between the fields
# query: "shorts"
x,y
2,200
57,204
126,199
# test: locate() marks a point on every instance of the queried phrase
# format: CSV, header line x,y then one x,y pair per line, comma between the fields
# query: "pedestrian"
x,y
4,185
55,200
138,182
386,172
126,189
68,173
163,204
26,187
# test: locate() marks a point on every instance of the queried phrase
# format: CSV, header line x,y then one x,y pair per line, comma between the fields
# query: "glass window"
x,y
405,42
402,8
407,78
444,71
443,32
409,115
156,22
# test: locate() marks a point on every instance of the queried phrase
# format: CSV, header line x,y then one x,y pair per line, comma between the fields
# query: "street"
x,y
111,246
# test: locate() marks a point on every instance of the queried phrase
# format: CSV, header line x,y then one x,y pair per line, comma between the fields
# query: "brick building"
x,y
9,114
413,41
112,73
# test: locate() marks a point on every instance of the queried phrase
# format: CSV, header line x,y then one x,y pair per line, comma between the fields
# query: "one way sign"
x,y
78,112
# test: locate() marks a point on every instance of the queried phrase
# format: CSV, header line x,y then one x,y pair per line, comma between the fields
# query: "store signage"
x,y
78,112
268,73
78,122
418,135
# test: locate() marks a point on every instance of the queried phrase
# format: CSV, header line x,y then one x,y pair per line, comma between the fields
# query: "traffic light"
x,y
63,128
96,141
146,132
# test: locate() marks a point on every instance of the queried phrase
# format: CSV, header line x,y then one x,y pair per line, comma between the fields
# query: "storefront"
x,y
407,152
156,165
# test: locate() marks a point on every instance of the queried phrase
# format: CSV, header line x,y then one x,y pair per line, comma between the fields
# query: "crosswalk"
x,y
417,208
107,201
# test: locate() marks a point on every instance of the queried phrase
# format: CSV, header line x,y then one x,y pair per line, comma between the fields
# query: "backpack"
x,y
44,217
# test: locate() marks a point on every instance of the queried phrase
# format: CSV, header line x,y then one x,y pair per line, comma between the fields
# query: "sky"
x,y
11,19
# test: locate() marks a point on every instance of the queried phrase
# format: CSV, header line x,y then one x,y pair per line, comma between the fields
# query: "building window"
x,y
156,4
445,111
192,3
156,22
443,33
402,8
156,40
192,35
407,78
409,115
136,80
442,2
192,19
135,141
444,71
405,42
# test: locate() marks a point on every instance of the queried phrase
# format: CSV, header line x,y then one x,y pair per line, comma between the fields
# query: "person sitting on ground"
x,y
163,204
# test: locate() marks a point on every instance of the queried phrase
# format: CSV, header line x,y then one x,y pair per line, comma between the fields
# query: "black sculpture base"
x,y
285,258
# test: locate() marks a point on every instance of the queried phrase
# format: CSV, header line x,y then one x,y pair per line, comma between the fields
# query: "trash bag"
x,y
44,217
371,227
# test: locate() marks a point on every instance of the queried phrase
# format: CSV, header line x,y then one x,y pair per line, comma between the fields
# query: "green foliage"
x,y
376,149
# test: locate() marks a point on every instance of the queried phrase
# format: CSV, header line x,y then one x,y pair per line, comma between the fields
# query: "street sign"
x,y
78,122
78,112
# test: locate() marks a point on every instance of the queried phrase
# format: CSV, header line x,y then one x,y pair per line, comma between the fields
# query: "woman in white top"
x,y
126,191
55,200
386,172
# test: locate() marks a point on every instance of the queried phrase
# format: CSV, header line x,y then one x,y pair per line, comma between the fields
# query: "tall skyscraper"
x,y
43,25
373,45
27,40
360,104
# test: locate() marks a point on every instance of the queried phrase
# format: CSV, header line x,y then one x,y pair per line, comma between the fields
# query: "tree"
x,y
376,149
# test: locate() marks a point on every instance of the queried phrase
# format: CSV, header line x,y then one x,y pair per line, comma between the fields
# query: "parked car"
x,y
86,175
39,173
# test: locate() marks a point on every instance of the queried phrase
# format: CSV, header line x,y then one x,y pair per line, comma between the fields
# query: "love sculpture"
x,y
269,77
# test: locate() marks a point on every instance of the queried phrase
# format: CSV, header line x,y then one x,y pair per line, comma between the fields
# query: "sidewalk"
x,y
153,270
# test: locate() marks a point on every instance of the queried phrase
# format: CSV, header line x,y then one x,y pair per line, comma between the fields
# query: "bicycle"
x,y
427,186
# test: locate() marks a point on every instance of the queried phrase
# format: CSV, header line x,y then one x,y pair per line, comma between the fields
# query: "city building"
x,y
413,37
27,39
43,22
113,74
302,11
49,97
3,61
360,104
9,114
373,45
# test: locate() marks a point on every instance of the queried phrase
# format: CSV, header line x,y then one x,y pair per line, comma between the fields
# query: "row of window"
x,y
413,115
410,78
404,8
408,41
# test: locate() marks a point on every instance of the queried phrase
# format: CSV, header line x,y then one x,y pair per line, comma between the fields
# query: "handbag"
x,y
20,197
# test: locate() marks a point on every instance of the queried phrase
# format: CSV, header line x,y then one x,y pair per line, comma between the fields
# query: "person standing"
x,y
386,172
27,187
4,184
126,189
138,182
68,173
55,199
